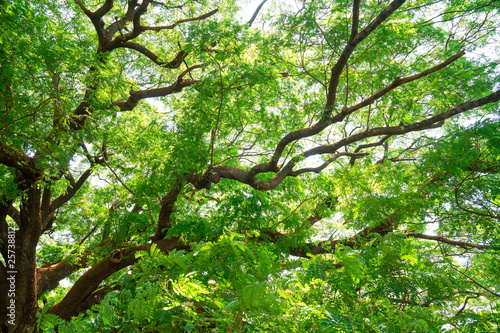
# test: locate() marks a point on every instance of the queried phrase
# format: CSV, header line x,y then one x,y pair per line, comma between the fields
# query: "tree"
x,y
326,166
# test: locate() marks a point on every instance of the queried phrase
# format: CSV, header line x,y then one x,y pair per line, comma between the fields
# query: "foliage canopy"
x,y
328,166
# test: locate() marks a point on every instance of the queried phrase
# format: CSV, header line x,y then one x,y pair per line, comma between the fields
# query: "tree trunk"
x,y
20,276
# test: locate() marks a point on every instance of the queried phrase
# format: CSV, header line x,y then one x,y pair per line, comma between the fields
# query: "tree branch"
x,y
191,19
254,16
329,202
248,177
441,239
104,9
137,95
369,145
351,45
90,280
25,165
365,235
70,193
332,87
428,123
400,81
87,12
118,25
166,210
457,201
459,312
48,277
327,162
143,50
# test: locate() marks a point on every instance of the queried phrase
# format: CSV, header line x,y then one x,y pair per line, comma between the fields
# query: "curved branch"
x,y
48,276
87,11
351,45
143,50
92,278
459,312
322,124
70,193
166,210
119,179
174,63
365,235
187,71
137,95
327,162
441,239
136,20
118,25
248,177
428,123
191,19
25,165
254,16
400,81
104,9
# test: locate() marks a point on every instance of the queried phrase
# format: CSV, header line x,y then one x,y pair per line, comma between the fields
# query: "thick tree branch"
x,y
368,145
166,210
355,19
174,63
120,24
365,235
351,45
428,123
104,9
90,280
137,29
48,277
254,16
137,95
143,50
25,165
